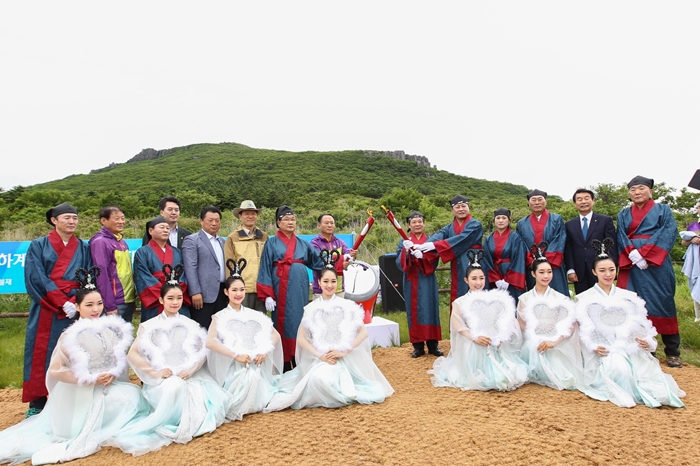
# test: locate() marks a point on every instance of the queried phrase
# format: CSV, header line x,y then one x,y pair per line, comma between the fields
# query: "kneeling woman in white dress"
x,y
167,356
91,401
551,348
485,339
614,326
334,354
245,354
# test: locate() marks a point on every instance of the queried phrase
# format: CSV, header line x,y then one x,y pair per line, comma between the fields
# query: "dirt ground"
x,y
420,424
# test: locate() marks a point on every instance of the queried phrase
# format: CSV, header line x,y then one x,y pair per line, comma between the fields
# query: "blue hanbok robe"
x,y
149,278
505,260
49,276
652,232
553,233
452,243
284,278
420,290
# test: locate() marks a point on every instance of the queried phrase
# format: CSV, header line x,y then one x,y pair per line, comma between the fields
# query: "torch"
x,y
365,230
390,216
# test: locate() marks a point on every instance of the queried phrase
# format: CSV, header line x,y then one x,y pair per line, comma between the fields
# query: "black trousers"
x,y
432,345
289,365
672,344
585,281
39,403
203,316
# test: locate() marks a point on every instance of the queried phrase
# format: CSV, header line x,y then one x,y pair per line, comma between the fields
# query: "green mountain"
x,y
224,174
232,172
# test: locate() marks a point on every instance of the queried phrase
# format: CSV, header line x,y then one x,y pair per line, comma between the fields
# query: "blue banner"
x,y
12,254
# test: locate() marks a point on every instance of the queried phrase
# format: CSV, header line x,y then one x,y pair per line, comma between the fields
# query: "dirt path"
x,y
420,424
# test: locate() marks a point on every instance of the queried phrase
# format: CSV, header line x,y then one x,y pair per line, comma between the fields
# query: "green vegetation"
x,y
346,183
12,332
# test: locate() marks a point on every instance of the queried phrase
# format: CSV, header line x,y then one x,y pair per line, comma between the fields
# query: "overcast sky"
x,y
548,94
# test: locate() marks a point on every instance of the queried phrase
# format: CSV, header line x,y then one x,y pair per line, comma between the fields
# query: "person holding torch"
x,y
420,288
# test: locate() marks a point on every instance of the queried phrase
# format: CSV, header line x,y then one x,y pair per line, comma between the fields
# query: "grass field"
x,y
11,351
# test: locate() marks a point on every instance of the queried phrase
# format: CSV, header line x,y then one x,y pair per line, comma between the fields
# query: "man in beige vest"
x,y
247,242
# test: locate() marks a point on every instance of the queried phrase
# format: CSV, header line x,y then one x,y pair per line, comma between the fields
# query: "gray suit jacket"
x,y
201,267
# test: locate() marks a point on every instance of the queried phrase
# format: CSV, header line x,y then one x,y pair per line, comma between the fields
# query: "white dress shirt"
x,y
218,250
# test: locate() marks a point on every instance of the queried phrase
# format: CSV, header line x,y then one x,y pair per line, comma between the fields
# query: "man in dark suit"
x,y
203,257
580,233
170,210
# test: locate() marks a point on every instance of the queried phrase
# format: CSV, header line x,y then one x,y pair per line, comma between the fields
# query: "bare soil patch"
x,y
420,424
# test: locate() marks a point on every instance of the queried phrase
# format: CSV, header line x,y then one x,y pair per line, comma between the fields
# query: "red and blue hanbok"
x,y
651,230
452,243
549,228
284,278
505,260
49,276
149,277
420,291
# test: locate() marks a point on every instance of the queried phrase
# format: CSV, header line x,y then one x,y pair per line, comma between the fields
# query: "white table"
x,y
383,332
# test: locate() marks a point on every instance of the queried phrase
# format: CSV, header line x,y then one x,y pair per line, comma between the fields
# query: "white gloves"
x,y
425,247
502,285
417,253
347,258
638,260
635,256
70,309
270,304
407,244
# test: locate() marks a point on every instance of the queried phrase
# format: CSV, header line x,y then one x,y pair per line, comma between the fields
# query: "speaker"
x,y
391,281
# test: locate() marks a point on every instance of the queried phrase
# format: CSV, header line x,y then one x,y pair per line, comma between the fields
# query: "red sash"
x,y
55,299
458,227
539,225
653,254
499,242
638,216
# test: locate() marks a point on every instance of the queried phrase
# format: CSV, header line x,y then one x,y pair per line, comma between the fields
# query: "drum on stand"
x,y
362,286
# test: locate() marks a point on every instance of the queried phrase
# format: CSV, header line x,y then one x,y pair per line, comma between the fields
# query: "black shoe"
x,y
436,352
418,353
674,361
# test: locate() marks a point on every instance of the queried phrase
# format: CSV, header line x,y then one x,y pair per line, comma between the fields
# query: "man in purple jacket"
x,y
111,254
326,239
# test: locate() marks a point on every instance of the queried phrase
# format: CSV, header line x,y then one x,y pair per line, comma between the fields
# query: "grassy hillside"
x,y
345,183
229,171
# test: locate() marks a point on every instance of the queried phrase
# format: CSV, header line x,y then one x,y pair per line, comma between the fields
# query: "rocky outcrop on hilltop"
x,y
420,160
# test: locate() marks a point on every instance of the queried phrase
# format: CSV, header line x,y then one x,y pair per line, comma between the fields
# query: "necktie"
x,y
584,230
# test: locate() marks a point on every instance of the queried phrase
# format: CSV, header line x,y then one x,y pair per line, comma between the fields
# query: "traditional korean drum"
x,y
362,286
